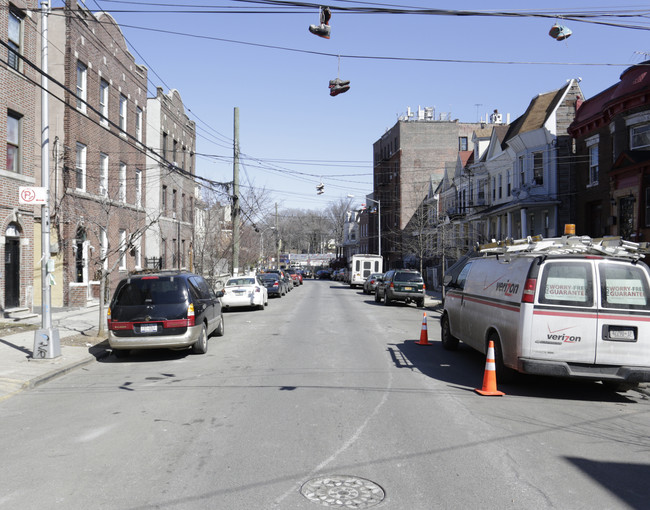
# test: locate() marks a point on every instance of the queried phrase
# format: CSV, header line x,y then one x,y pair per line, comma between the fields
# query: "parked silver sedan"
x,y
370,284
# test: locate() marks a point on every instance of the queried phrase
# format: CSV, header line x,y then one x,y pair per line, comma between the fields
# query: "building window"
x,y
138,124
462,143
103,175
640,137
14,40
522,171
509,189
103,102
538,168
593,165
80,167
183,211
500,186
494,188
123,101
122,249
174,151
163,201
13,142
138,188
174,201
82,78
122,194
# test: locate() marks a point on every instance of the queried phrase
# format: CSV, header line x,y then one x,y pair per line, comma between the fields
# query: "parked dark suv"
x,y
173,309
401,285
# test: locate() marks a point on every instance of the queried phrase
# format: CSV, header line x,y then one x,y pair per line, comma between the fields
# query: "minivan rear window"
x,y
567,283
161,291
623,286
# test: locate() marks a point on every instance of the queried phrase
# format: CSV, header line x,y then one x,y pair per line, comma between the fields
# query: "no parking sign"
x,y
31,195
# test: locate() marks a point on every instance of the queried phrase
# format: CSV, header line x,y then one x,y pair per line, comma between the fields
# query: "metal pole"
x,y
235,199
46,340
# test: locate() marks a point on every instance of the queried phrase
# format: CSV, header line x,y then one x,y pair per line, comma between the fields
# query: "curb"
x,y
52,374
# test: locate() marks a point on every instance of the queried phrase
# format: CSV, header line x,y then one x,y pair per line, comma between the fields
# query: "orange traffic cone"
x,y
490,376
424,335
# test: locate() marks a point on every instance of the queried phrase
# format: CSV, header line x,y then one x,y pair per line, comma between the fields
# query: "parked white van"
x,y
566,307
362,266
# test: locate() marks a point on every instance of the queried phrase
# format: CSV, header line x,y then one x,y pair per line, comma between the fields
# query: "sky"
x,y
260,58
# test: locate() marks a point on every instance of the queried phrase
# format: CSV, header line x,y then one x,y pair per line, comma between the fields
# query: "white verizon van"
x,y
361,266
566,307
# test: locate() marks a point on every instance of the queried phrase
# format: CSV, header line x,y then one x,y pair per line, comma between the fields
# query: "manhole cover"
x,y
339,491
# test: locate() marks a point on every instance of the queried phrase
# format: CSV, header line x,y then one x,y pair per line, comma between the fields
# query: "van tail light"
x,y
190,315
424,287
529,291
392,285
257,289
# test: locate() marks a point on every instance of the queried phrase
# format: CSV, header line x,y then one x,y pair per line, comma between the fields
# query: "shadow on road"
x,y
465,368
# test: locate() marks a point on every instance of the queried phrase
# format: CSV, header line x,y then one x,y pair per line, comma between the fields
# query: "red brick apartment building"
x,y
19,95
98,158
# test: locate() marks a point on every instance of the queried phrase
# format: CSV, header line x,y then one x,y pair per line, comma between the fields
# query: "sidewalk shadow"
x,y
464,369
17,347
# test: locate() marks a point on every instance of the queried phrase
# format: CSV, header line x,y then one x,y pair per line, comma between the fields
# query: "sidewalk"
x,y
19,371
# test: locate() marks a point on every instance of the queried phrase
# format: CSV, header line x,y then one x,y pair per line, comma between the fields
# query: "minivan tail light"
x,y
190,315
392,285
529,291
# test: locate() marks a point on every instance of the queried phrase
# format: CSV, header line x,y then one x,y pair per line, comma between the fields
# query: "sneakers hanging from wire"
x,y
560,32
338,86
323,30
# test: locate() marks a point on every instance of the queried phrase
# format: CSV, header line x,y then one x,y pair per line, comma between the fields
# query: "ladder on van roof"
x,y
613,246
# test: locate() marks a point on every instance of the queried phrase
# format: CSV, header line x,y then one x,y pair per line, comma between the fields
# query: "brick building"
x,y
98,153
170,188
612,138
19,96
405,159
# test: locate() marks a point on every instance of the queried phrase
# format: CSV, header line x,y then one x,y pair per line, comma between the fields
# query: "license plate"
x,y
239,291
408,288
621,334
148,328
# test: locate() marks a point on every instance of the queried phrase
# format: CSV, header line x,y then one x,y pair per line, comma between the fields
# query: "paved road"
x,y
325,386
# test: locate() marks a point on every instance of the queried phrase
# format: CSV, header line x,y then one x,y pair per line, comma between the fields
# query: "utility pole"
x,y
277,238
235,198
46,340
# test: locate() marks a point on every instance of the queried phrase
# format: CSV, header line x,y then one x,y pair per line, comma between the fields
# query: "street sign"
x,y
31,195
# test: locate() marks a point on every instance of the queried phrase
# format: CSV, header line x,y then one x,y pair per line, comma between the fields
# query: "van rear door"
x,y
624,316
564,325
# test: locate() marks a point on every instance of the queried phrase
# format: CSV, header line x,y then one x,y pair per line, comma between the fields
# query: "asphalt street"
x,y
323,399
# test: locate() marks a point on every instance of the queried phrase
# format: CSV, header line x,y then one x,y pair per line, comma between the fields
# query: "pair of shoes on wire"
x,y
560,32
338,86
323,30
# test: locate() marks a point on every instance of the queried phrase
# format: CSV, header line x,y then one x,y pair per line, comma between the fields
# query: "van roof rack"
x,y
610,246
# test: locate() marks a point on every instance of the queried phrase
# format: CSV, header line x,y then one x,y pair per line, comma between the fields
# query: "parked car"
x,y
275,286
295,274
284,276
370,284
244,291
404,285
171,309
323,274
307,273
